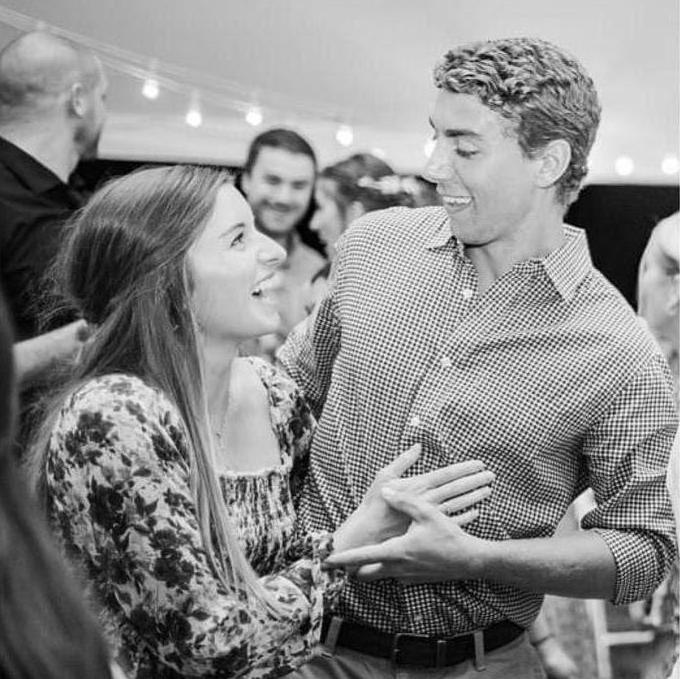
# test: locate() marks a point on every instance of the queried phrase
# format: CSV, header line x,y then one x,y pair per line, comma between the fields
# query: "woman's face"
x,y
233,270
327,219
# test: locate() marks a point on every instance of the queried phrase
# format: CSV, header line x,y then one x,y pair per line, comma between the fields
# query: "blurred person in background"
x,y
52,111
659,307
46,630
278,182
344,192
168,464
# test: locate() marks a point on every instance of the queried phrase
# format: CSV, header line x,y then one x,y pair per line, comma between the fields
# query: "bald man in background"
x,y
52,95
51,115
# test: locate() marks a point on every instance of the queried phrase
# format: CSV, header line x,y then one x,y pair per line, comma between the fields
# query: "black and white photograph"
x,y
339,339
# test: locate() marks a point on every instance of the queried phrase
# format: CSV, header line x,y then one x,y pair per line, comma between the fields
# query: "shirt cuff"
x,y
639,567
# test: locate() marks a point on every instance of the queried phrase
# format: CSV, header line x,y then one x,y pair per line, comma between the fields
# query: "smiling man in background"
x,y
278,181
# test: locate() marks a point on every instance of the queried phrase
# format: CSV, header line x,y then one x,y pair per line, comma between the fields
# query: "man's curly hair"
x,y
537,86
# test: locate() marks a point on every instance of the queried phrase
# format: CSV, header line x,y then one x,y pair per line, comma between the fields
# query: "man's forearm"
x,y
578,564
33,356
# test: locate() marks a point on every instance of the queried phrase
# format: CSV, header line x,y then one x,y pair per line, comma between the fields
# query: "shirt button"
x,y
468,293
445,362
415,421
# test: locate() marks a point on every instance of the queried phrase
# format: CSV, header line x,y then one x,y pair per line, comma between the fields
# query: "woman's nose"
x,y
271,253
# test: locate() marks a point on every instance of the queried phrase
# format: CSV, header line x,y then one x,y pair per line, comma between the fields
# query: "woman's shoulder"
x,y
281,388
115,402
117,390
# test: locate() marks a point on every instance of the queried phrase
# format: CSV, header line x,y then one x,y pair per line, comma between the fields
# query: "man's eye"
x,y
465,153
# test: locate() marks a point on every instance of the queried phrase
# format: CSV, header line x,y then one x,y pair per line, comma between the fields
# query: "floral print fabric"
x,y
117,477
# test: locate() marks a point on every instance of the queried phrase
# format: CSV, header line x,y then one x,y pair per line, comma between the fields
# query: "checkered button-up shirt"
x,y
547,377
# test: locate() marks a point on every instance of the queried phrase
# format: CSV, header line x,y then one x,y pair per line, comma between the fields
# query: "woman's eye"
x,y
238,240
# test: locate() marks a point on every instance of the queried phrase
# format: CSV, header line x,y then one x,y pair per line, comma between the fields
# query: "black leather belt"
x,y
415,649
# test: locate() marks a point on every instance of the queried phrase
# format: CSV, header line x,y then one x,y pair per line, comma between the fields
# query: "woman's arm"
x,y
118,482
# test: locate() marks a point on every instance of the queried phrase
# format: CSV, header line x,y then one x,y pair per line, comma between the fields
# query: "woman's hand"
x,y
451,489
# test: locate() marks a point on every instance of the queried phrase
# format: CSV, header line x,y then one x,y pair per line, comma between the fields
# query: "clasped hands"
x,y
411,528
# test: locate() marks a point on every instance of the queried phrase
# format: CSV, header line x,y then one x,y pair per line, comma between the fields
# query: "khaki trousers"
x,y
516,660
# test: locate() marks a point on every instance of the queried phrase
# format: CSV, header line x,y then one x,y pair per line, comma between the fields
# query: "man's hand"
x,y
449,489
433,549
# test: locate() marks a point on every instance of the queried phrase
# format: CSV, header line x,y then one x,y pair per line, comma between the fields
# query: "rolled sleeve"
x,y
628,454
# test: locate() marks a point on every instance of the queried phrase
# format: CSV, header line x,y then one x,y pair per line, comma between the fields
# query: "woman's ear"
x,y
354,211
554,159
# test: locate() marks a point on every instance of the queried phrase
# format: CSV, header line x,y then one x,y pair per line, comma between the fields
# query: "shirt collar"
x,y
440,233
27,169
569,264
566,266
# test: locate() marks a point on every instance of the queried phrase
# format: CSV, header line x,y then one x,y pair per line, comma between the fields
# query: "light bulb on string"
x,y
344,135
194,118
670,164
254,116
151,88
624,166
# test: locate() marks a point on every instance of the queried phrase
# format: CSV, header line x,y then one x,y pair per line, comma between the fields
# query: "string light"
x,y
151,89
670,164
194,118
344,135
254,116
156,75
624,166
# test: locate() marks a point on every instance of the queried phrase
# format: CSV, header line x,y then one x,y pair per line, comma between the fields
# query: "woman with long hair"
x,y
168,464
46,631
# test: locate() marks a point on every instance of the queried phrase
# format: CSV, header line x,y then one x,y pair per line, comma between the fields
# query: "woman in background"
x,y
168,465
344,192
46,631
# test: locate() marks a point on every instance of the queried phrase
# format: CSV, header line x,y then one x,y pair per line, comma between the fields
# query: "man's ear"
x,y
77,100
554,159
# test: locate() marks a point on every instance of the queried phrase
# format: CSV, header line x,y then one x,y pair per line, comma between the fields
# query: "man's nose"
x,y
438,167
283,194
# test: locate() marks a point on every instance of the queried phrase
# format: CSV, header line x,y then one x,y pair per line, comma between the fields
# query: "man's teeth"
x,y
457,200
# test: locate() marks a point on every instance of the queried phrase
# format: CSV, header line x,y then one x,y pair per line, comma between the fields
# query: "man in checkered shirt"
x,y
482,331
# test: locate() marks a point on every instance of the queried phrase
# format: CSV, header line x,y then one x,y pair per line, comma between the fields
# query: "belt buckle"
x,y
440,649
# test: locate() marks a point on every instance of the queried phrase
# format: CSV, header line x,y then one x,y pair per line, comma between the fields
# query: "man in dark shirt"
x,y
51,115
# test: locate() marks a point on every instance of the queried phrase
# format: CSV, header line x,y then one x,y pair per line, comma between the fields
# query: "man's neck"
x,y
535,241
51,146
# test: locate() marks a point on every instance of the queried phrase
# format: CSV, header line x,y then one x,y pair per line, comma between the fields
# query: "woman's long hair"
x,y
124,266
46,631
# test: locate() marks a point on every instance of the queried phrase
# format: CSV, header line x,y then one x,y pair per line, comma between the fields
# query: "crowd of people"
x,y
225,452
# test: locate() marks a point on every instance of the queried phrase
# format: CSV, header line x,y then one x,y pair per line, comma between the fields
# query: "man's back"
x,y
35,203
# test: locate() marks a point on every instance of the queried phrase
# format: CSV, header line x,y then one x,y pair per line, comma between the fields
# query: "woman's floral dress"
x,y
118,493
